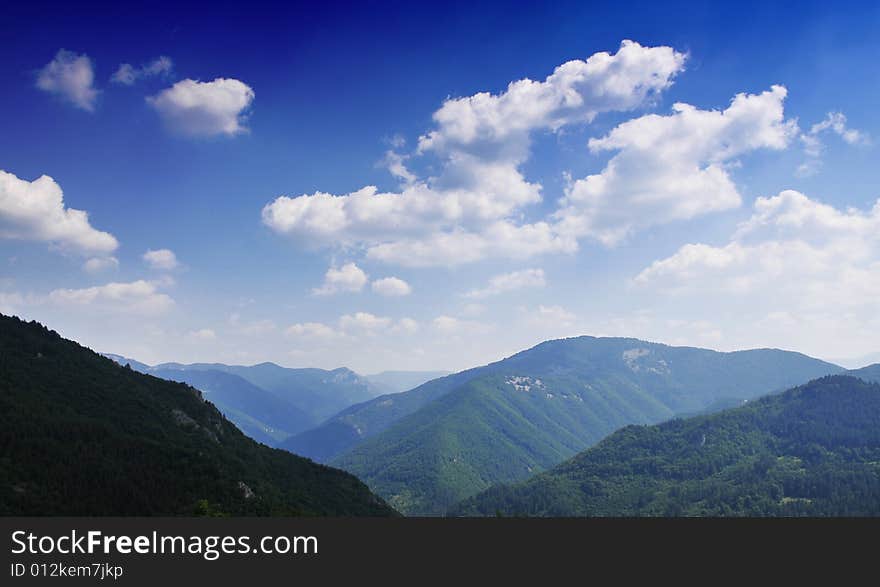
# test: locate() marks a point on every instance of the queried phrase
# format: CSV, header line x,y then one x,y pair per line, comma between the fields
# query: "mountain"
x,y
83,436
260,414
869,373
316,393
360,421
398,381
539,407
811,451
136,365
858,362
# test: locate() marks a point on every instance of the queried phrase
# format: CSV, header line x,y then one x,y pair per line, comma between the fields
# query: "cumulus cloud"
x,y
391,287
472,209
673,167
311,331
396,165
196,108
127,74
348,278
350,327
553,316
71,77
407,326
201,335
35,211
452,326
813,146
98,264
575,92
527,278
137,297
795,257
162,259
364,322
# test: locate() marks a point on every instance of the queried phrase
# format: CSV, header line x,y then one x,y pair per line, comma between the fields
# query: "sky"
x,y
412,186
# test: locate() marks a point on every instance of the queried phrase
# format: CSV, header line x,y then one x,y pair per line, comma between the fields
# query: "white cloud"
x,y
527,278
35,211
311,331
473,208
348,278
364,322
98,264
127,74
553,316
197,108
71,77
836,122
451,326
498,239
473,309
673,167
350,327
391,287
813,147
162,259
137,297
257,328
201,335
396,165
11,302
795,257
575,92
407,326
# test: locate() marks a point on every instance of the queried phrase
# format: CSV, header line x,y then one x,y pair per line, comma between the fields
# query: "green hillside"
x,y
520,416
811,451
82,435
360,421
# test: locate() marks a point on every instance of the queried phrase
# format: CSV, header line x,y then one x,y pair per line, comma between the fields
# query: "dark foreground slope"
x,y
81,435
813,451
532,411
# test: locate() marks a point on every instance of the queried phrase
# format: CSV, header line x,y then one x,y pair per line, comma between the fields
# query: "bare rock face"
x,y
246,491
644,360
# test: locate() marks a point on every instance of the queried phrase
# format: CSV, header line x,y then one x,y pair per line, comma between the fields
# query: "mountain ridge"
x,y
82,435
809,451
513,418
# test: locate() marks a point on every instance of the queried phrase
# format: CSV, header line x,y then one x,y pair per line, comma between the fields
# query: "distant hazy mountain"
x,y
318,392
869,373
522,415
81,435
260,414
398,381
811,451
859,362
136,365
310,395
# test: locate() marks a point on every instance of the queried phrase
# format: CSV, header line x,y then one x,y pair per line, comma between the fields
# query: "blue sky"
x,y
528,216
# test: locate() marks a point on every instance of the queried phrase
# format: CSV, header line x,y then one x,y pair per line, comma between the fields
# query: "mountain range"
x,y
271,403
426,449
810,451
571,427
81,435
